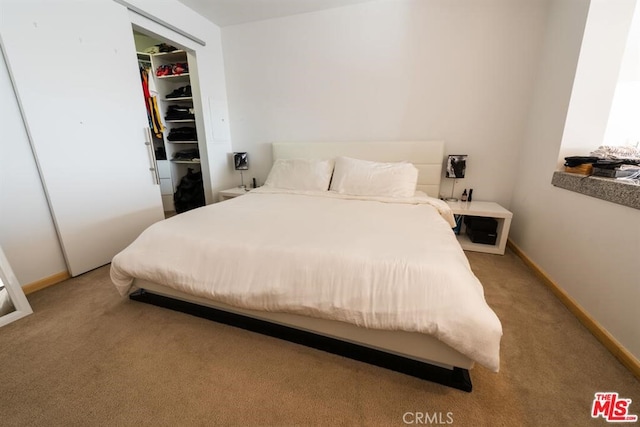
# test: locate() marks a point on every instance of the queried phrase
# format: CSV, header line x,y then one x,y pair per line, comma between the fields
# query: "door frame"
x,y
166,33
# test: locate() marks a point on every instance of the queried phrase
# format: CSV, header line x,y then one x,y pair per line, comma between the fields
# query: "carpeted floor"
x,y
89,357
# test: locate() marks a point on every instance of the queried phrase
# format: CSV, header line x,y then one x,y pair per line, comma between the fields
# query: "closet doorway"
x,y
168,81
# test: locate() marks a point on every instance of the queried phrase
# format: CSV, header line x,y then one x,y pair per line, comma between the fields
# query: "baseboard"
x,y
45,283
610,343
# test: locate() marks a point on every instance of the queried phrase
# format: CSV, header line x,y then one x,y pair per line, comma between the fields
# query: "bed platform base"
x,y
457,378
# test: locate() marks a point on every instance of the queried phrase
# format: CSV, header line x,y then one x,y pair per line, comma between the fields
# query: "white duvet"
x,y
377,263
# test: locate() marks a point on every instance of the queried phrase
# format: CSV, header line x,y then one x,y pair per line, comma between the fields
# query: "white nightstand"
x,y
231,193
487,210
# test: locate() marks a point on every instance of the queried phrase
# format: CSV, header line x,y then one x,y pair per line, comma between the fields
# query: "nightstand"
x,y
486,210
231,193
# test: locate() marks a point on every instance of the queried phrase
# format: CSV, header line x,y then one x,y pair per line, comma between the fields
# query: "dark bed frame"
x,y
457,378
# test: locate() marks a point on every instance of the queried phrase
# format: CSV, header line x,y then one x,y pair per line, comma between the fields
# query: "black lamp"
x,y
456,166
241,163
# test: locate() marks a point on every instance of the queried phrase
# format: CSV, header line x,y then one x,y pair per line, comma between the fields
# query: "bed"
x,y
371,276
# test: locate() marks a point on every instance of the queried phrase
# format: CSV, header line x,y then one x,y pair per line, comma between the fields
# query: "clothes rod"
x,y
159,21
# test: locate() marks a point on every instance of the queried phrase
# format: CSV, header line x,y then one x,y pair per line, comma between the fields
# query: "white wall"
x,y
143,41
27,233
387,70
588,246
494,79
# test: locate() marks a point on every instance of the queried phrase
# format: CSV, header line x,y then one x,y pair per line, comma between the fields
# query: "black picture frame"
x,y
241,161
456,165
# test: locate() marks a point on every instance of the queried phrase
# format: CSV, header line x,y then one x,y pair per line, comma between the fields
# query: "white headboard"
x,y
427,156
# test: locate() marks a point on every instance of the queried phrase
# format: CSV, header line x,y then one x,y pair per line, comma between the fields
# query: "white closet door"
x,y
76,76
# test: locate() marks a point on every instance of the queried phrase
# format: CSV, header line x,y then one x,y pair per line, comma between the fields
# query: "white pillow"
x,y
300,174
365,178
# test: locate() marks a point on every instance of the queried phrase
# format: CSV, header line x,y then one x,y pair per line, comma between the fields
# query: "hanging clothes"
x,y
151,103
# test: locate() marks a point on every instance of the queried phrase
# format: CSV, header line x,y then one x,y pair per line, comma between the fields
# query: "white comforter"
x,y
383,264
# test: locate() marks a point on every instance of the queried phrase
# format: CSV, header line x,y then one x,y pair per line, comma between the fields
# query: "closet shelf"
x,y
181,121
182,98
173,52
182,142
173,76
187,162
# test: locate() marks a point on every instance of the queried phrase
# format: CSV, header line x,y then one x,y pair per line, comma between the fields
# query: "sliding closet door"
x,y
75,71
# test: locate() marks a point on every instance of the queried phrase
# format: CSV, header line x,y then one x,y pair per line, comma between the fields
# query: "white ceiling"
x,y
230,12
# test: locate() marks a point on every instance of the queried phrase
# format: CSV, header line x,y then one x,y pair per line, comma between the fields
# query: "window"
x,y
623,126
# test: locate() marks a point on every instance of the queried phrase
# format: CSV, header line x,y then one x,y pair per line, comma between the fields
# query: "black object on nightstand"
x,y
481,229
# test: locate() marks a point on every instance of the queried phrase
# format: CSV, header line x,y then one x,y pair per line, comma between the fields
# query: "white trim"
x,y
16,294
160,21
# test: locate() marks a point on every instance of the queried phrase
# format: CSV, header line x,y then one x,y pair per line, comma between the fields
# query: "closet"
x,y
79,93
172,121
75,74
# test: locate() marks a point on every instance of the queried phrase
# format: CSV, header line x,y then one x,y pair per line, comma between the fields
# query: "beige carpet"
x,y
89,357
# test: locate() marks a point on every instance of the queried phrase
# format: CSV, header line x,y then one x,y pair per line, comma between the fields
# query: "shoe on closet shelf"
x,y
164,70
177,112
181,92
180,68
176,93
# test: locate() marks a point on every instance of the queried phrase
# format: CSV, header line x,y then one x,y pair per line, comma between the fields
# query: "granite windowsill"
x,y
609,189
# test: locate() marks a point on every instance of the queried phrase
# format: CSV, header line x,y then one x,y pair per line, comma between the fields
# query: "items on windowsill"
x,y
619,171
617,153
583,169
632,179
608,162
